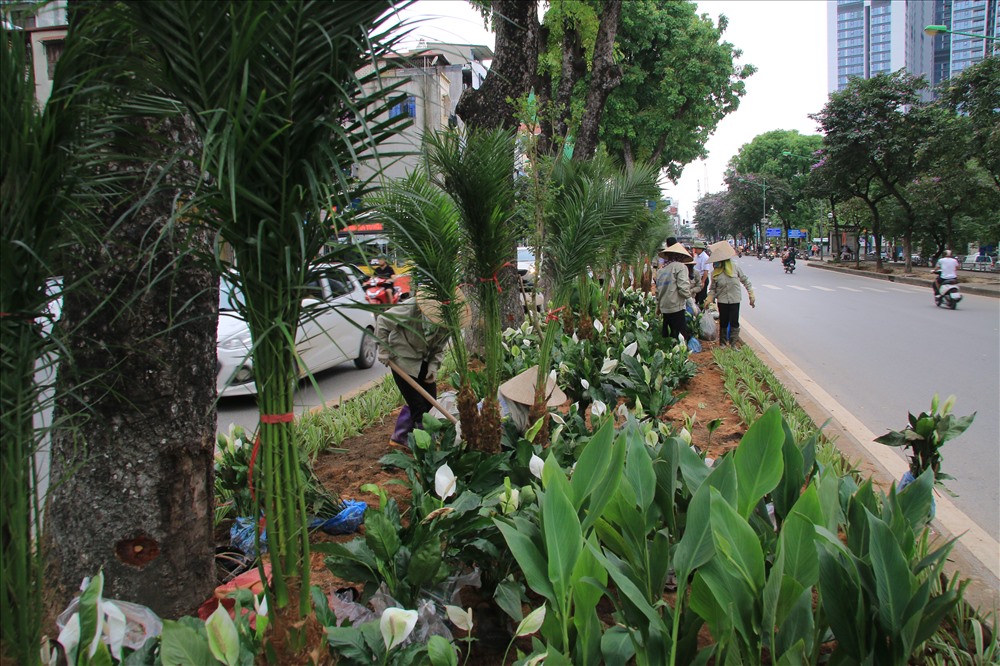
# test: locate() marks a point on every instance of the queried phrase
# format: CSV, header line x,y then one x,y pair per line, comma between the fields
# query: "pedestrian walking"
x,y
725,291
673,288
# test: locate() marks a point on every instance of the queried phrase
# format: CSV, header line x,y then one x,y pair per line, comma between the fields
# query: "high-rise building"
x,y
868,37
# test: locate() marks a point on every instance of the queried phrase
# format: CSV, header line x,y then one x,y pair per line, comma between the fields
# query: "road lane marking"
x,y
856,291
911,290
771,286
981,545
795,286
881,291
816,286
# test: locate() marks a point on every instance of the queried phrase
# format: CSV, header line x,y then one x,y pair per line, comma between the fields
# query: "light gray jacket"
x,y
409,339
726,289
673,287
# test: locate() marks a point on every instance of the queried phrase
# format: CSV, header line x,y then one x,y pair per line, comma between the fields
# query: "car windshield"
x,y
230,297
524,254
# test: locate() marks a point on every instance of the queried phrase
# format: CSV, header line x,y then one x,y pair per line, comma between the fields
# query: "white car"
x,y
333,330
526,267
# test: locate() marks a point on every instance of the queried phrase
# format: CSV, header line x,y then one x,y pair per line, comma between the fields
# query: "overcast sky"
x,y
784,39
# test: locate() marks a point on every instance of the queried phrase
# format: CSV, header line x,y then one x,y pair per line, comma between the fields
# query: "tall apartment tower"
x,y
868,37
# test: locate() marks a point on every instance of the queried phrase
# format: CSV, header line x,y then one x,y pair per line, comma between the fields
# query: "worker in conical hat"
x,y
673,288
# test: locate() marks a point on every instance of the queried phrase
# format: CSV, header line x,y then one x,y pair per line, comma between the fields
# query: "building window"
x,y
407,108
53,49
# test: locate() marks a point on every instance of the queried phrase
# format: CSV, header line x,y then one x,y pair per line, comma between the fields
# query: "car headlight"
x,y
238,341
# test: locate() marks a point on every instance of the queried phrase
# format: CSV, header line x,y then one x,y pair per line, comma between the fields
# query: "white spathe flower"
x,y
69,637
396,625
609,365
598,326
535,466
685,435
575,339
460,618
585,384
532,622
631,349
444,482
598,409
537,659
555,416
510,501
563,367
260,605
114,627
527,342
623,410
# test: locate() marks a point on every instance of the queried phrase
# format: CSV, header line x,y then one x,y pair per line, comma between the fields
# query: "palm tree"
x,y
282,114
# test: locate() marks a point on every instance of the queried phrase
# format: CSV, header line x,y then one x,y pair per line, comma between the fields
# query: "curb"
x,y
978,290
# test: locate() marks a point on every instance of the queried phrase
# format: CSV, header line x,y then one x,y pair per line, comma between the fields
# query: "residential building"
x,y
433,77
45,27
868,37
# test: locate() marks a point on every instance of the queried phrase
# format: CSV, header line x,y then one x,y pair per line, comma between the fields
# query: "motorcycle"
x,y
946,292
381,291
789,266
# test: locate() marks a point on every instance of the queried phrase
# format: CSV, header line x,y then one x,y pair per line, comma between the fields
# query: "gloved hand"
x,y
752,300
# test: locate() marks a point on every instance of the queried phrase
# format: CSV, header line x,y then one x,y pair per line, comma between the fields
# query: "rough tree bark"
x,y
605,75
132,487
512,74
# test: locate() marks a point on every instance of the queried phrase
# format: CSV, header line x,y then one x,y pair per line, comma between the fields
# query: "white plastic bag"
x,y
708,327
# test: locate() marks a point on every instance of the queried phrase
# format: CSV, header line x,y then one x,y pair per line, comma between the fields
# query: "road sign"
x,y
798,233
774,232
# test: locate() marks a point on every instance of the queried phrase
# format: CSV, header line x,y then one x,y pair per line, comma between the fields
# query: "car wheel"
x,y
369,350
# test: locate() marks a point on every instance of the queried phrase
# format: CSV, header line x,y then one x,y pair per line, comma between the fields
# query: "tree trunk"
x,y
605,75
132,488
515,23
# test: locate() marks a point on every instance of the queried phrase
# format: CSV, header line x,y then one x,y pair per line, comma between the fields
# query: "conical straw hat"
x,y
721,251
521,389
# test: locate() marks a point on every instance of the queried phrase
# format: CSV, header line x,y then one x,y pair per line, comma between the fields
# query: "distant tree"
x,y
713,217
875,128
679,80
976,92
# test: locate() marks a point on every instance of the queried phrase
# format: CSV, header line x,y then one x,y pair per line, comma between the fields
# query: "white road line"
x,y
881,291
906,291
856,291
771,286
795,286
814,286
980,544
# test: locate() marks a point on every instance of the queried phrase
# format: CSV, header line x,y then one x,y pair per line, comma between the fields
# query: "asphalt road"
x,y
331,384
882,349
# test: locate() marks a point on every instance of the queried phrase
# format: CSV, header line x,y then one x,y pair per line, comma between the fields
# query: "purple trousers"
x,y
412,414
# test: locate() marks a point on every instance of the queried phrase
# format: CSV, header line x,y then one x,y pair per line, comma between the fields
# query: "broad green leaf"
x,y
893,581
223,638
508,597
693,467
799,627
441,652
797,543
617,646
843,603
425,562
529,558
381,536
788,490
561,532
587,566
605,488
349,642
758,459
593,463
915,500
696,546
829,499
181,645
639,469
736,541
629,589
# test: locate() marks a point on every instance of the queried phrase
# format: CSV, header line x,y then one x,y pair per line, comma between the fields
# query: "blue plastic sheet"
x,y
693,345
346,522
241,537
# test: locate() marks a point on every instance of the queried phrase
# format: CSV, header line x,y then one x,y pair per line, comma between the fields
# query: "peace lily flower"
x,y
631,349
623,410
598,326
563,367
557,418
585,384
609,365
535,466
460,618
575,339
532,622
685,435
598,409
510,500
444,482
396,626
110,624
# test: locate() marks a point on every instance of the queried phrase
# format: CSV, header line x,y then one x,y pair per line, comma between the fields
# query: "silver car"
x,y
333,330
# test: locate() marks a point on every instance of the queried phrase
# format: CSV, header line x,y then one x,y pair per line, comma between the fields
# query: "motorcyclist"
x,y
383,269
946,269
789,257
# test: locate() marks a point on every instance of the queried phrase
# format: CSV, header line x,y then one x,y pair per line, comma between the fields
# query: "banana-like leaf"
x,y
736,542
894,582
529,557
759,462
562,533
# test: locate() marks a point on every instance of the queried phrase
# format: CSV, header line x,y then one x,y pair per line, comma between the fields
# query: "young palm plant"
x,y
282,114
476,170
593,207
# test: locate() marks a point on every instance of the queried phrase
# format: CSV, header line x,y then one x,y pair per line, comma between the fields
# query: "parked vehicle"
x,y
333,330
526,267
946,292
982,262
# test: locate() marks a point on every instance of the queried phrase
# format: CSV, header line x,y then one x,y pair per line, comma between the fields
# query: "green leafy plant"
x,y
926,434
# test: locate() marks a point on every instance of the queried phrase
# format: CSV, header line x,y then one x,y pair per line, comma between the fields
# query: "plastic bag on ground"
x,y
346,522
693,345
709,328
141,623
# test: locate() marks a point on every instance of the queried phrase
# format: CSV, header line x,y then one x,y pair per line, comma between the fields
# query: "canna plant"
x,y
273,90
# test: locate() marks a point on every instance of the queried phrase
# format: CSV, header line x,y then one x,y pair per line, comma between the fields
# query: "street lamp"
x,y
934,30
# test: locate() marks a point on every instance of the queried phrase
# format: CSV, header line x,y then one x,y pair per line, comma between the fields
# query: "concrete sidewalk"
x,y
979,283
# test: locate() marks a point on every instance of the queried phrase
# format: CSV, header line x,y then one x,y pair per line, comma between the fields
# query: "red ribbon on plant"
x,y
270,419
494,278
553,315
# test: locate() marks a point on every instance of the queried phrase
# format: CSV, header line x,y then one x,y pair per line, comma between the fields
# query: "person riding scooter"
x,y
788,259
